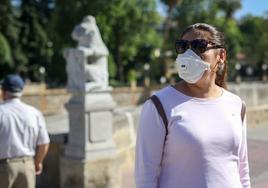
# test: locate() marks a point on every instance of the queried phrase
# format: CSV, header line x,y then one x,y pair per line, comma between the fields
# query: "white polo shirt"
x,y
22,128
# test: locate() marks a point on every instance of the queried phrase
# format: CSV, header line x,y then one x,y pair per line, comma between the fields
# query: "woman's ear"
x,y
222,56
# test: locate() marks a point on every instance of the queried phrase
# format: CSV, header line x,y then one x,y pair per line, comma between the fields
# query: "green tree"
x,y
229,26
5,56
190,12
33,41
171,4
6,20
9,29
133,27
229,7
252,28
125,26
255,34
5,52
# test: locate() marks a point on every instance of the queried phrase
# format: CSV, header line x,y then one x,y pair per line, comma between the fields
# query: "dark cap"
x,y
12,83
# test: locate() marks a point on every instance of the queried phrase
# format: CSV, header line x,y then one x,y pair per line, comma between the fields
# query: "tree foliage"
x,y
9,28
127,36
34,33
5,51
126,26
22,27
33,40
255,31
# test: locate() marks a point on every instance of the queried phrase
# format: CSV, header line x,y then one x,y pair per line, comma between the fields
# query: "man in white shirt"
x,y
24,140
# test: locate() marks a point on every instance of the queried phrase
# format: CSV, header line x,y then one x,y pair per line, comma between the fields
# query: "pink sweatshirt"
x,y
206,145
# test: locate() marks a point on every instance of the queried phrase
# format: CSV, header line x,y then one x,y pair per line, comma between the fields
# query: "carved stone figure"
x,y
90,108
87,65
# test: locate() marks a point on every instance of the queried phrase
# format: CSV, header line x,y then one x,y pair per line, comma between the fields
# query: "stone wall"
x,y
256,97
51,101
254,94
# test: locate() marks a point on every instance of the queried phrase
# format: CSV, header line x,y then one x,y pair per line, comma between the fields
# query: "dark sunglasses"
x,y
199,46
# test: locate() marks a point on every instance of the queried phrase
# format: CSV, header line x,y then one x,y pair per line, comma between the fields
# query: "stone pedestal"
x,y
89,156
89,174
90,121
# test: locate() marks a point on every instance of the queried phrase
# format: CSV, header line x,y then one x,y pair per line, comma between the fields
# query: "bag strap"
x,y
243,111
160,110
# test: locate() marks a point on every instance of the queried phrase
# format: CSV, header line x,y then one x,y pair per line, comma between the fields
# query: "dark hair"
x,y
217,38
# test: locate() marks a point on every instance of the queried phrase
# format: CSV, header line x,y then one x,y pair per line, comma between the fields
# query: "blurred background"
x,y
140,36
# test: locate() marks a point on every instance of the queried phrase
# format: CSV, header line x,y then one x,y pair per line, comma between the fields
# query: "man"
x,y
24,139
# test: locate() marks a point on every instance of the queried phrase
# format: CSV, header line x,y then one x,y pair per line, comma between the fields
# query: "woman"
x,y
204,144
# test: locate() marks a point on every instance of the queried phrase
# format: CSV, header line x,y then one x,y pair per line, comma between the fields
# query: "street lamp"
x,y
157,53
249,71
146,74
264,68
42,71
163,80
237,73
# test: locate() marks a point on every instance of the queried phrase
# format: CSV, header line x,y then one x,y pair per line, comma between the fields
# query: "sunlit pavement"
x,y
258,161
258,155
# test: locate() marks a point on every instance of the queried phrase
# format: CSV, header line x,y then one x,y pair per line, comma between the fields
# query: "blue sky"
x,y
254,7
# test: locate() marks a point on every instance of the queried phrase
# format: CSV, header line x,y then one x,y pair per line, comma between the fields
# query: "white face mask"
x,y
191,67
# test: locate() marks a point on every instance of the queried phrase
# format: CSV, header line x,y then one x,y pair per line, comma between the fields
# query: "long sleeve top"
x,y
206,144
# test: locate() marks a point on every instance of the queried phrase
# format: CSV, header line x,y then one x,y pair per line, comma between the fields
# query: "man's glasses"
x,y
199,46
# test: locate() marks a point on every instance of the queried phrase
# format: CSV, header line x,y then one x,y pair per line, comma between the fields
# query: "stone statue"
x,y
90,146
87,65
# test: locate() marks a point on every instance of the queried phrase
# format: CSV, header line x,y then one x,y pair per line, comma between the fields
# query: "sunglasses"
x,y
199,46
